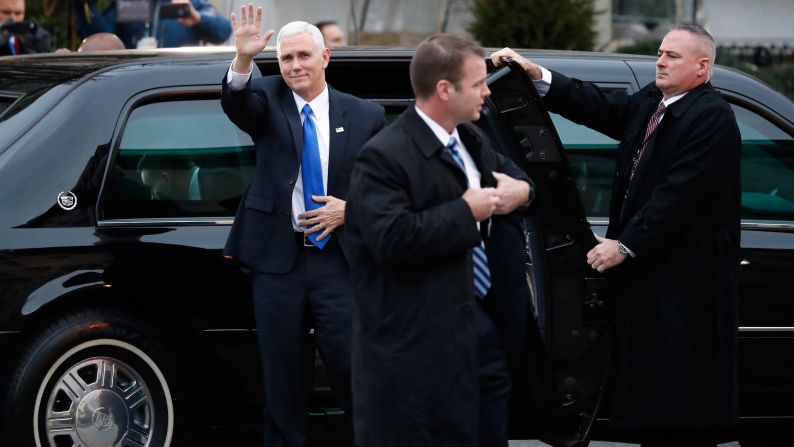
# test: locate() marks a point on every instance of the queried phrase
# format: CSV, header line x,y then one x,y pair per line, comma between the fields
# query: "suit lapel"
x,y
290,110
339,128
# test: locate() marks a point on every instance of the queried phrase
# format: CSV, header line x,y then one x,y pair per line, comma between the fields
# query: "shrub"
x,y
550,24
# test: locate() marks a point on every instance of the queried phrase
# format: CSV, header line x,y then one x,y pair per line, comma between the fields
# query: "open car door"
x,y
568,351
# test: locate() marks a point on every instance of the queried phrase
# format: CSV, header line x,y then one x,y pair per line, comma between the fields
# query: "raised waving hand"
x,y
248,41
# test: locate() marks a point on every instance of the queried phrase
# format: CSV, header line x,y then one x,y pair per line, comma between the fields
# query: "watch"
x,y
622,249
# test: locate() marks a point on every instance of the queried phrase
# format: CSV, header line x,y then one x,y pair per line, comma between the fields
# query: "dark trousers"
x,y
316,292
494,382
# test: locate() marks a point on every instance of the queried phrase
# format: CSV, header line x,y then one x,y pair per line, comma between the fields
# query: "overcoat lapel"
x,y
339,127
672,114
474,145
629,187
428,144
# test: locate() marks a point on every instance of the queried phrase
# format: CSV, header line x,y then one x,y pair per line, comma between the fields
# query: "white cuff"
x,y
543,84
236,80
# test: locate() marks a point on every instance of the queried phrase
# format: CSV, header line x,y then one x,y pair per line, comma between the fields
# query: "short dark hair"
x,y
322,24
694,29
438,57
709,47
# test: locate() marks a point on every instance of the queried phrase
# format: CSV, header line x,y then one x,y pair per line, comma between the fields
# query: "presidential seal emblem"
x,y
67,200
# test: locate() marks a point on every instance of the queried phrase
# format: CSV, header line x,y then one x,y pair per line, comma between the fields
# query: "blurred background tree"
x,y
54,16
549,24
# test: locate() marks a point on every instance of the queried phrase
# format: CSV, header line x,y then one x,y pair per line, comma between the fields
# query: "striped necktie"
x,y
652,124
482,274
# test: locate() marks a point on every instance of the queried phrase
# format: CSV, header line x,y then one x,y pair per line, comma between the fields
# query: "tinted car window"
x,y
592,156
179,159
767,168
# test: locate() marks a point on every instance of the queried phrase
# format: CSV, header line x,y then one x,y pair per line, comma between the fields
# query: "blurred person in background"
x,y
101,42
332,33
201,23
18,36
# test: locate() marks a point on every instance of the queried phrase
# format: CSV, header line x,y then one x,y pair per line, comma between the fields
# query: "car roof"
x,y
26,74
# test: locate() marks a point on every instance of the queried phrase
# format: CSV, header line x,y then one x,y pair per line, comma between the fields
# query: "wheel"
x,y
98,378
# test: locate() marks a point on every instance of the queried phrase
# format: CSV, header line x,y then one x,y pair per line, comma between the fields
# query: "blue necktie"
x,y
311,170
482,274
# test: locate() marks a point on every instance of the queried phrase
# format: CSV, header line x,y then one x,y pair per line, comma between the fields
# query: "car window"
x,y
178,159
592,157
767,168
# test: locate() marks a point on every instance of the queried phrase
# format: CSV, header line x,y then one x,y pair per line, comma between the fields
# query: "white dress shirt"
x,y
320,109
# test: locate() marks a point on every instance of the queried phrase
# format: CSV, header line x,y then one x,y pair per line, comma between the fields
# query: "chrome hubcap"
x,y
100,402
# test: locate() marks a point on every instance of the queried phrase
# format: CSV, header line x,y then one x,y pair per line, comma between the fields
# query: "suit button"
x,y
467,307
292,182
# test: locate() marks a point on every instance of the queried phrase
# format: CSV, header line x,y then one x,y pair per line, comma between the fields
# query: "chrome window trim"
x,y
786,329
231,330
746,224
767,225
161,221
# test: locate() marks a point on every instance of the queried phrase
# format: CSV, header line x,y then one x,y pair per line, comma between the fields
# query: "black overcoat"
x,y
676,302
410,235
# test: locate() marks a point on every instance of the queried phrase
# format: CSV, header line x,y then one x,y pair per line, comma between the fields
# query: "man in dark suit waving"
x,y
673,240
289,226
426,195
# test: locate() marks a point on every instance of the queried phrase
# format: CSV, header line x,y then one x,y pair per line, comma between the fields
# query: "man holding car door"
x,y
672,246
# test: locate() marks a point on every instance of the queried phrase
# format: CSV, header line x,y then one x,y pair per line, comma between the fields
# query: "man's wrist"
x,y
242,66
622,249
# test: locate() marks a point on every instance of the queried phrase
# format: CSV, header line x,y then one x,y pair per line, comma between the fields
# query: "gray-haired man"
x,y
289,227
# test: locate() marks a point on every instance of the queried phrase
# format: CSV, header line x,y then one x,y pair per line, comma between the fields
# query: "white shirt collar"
x,y
442,135
673,99
319,104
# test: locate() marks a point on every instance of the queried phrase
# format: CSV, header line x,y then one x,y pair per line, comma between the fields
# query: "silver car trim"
x,y
220,221
230,330
751,225
766,329
746,224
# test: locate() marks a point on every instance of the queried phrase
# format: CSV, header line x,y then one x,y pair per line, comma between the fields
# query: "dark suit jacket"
x,y
675,313
410,235
262,234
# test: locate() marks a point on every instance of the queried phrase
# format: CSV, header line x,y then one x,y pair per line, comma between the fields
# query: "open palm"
x,y
246,33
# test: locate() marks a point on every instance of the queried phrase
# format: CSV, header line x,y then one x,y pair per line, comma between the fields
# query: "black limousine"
x,y
122,323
